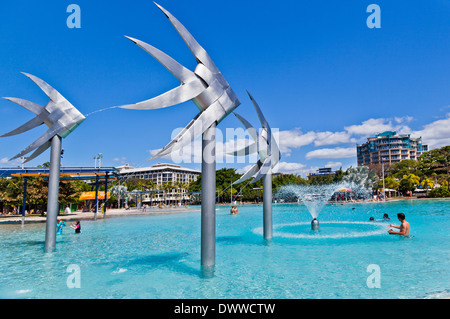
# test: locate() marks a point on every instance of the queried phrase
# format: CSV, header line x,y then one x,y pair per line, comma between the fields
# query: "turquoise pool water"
x,y
159,256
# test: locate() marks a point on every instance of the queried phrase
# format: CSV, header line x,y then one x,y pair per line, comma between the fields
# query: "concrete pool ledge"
x,y
89,215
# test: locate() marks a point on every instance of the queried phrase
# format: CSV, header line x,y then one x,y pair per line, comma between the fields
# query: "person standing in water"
x,y
59,226
76,227
404,227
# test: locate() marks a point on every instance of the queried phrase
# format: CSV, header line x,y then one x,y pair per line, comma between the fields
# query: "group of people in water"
x,y
403,228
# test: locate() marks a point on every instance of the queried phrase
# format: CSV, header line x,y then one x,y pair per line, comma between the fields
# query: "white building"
x,y
161,173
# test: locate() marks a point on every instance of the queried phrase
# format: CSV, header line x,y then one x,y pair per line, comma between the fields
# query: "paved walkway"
x,y
88,215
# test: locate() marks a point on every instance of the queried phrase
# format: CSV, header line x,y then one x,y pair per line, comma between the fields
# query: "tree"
x,y
321,179
440,192
427,182
119,192
11,191
436,161
69,193
339,175
286,179
166,187
405,167
391,182
409,182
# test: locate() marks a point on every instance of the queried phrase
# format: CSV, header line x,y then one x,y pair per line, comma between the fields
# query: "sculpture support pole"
x,y
96,198
267,206
53,193
106,196
208,218
24,199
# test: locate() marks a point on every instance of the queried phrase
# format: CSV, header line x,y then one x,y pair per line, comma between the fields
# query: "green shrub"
x,y
439,192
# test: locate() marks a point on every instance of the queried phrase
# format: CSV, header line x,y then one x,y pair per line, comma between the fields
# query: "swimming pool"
x,y
158,256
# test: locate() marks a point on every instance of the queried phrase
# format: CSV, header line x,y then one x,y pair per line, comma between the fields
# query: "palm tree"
x,y
427,182
166,187
179,187
408,182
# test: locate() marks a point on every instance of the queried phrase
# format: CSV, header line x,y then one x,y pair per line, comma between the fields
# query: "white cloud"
x,y
370,127
338,152
4,160
333,164
121,160
192,153
294,139
403,119
435,134
330,138
285,168
291,168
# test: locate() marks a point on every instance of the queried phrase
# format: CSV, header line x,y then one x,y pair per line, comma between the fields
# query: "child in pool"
x,y
76,227
59,226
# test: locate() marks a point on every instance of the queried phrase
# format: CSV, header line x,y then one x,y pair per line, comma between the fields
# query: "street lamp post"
x,y
384,190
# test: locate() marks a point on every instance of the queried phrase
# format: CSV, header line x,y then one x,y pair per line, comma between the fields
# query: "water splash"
x,y
352,231
313,196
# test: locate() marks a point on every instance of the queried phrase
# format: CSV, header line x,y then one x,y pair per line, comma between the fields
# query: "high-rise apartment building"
x,y
389,147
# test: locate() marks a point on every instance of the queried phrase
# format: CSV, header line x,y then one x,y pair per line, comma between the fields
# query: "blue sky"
x,y
321,76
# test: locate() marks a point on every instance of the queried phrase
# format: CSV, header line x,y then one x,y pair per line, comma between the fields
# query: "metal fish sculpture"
x,y
265,145
58,114
205,86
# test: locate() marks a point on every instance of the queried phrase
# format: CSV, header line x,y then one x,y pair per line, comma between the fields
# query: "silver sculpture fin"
x,y
44,138
59,115
30,106
252,171
183,74
267,148
38,152
265,169
197,50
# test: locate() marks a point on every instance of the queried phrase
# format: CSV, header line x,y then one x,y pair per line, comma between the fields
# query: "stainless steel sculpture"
x,y
62,118
212,94
269,155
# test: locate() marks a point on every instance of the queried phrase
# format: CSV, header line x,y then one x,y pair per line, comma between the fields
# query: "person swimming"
x,y
386,217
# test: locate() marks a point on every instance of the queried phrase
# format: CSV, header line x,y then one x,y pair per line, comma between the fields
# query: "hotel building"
x,y
389,147
321,172
159,174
